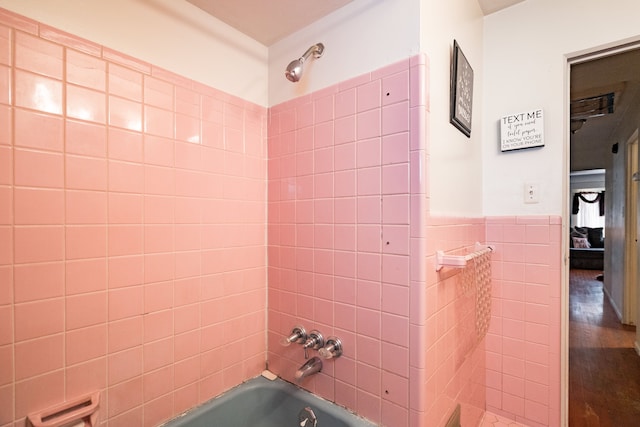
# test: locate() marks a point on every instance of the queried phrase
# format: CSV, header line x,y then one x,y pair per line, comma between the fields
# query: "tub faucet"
x,y
310,367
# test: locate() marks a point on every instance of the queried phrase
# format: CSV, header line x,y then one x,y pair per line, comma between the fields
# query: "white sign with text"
x,y
522,130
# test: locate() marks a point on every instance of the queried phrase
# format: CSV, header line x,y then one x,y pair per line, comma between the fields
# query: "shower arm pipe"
x,y
317,50
460,261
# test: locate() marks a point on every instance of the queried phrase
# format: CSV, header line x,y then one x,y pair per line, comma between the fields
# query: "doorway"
x,y
604,114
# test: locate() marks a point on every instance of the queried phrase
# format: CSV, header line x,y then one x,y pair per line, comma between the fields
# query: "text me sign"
x,y
522,130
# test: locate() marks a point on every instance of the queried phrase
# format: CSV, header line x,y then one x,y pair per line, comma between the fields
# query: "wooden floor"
x,y
604,369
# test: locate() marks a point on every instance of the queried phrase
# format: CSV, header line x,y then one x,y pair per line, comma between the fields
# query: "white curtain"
x,y
589,213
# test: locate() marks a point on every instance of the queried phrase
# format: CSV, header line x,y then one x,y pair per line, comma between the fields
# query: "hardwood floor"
x,y
604,369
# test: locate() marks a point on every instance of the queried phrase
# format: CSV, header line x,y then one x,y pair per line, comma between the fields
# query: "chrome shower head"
x,y
294,69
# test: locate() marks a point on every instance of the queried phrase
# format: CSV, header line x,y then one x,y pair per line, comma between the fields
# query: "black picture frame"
x,y
461,102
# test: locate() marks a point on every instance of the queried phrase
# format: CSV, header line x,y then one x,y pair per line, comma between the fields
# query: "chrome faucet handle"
x,y
298,335
332,349
314,341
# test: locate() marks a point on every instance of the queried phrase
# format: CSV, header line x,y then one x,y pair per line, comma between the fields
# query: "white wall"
x,y
525,52
171,34
363,36
455,161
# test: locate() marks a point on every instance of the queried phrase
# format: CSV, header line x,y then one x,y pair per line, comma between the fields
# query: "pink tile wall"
x,y
344,208
523,342
450,352
132,223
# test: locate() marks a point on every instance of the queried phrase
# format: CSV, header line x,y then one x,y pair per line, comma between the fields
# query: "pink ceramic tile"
x,y
124,396
395,388
5,85
125,114
6,165
345,103
85,378
38,244
38,206
6,358
38,92
85,70
126,177
85,104
38,319
323,109
38,281
85,310
29,361
125,208
158,354
158,151
85,344
38,169
369,210
189,155
38,392
188,103
395,148
186,371
38,55
6,334
368,96
125,302
6,291
395,88
86,207
395,179
395,118
86,173
395,359
158,383
159,122
160,267
125,240
158,209
86,276
158,93
38,131
186,318
85,138
304,115
186,345
125,333
344,130
368,153
158,238
368,181
125,271
85,241
395,299
5,45
125,82
368,125
158,325
124,365
125,145
187,129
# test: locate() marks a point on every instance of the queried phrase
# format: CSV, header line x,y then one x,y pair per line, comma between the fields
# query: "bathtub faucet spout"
x,y
311,366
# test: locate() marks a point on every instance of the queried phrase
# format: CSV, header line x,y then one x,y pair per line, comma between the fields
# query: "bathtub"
x,y
260,402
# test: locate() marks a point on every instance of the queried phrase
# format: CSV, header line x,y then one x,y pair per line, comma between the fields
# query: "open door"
x,y
631,241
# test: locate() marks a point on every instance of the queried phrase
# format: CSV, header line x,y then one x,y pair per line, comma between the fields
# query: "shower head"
x,y
294,69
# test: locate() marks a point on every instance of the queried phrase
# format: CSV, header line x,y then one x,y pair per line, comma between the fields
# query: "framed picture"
x,y
461,91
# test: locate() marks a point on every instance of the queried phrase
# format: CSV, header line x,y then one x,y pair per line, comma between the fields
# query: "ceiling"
x,y
270,21
618,74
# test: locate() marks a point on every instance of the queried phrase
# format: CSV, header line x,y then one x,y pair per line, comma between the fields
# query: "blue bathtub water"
x,y
263,403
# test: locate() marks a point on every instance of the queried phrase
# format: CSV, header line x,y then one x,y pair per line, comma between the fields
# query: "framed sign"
x,y
522,130
461,91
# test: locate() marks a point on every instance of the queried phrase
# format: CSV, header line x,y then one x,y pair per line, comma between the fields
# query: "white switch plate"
x,y
531,193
